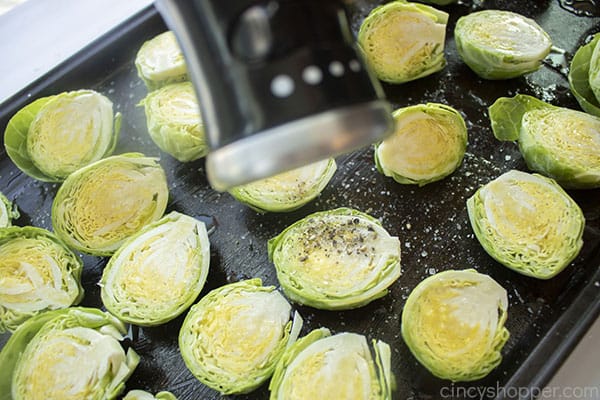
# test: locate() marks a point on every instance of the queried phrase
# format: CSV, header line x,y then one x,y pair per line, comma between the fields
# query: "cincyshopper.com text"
x,y
549,393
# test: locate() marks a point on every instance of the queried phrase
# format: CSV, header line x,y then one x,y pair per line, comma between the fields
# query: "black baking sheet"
x,y
545,318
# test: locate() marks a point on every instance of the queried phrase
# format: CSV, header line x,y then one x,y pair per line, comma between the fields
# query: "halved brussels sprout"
x,y
439,2
66,354
584,76
335,260
174,121
321,366
8,211
557,142
429,143
37,273
102,204
287,191
142,395
54,136
527,223
232,338
160,61
158,272
499,44
404,41
453,323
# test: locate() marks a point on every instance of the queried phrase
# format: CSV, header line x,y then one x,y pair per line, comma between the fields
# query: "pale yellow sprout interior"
x,y
31,277
457,319
397,41
422,147
69,132
177,104
69,364
338,255
161,57
157,271
523,215
239,333
114,202
506,32
337,367
288,187
570,135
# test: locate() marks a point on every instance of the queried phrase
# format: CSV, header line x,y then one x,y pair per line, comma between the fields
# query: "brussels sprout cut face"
x,y
584,76
404,41
157,273
101,205
174,121
501,44
55,136
73,354
37,273
8,212
287,191
335,260
160,61
453,323
527,223
320,366
429,144
232,338
558,142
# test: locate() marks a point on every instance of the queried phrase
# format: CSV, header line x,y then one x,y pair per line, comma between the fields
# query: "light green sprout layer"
x,y
335,260
453,323
584,76
527,223
54,136
8,211
499,44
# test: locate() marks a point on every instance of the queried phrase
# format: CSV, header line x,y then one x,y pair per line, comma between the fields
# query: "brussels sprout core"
x,y
320,366
158,272
527,223
453,323
501,44
55,136
37,273
429,144
101,205
404,41
174,121
232,338
558,142
287,191
160,61
335,260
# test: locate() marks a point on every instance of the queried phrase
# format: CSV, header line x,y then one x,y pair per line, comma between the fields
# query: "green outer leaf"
x,y
522,262
15,139
71,262
445,113
67,233
127,309
92,318
300,292
8,211
434,363
507,113
249,195
434,62
579,78
207,373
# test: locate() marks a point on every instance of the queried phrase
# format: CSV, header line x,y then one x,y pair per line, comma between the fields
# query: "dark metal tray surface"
x,y
546,318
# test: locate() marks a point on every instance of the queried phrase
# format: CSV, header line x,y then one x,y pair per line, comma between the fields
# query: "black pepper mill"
x,y
281,84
